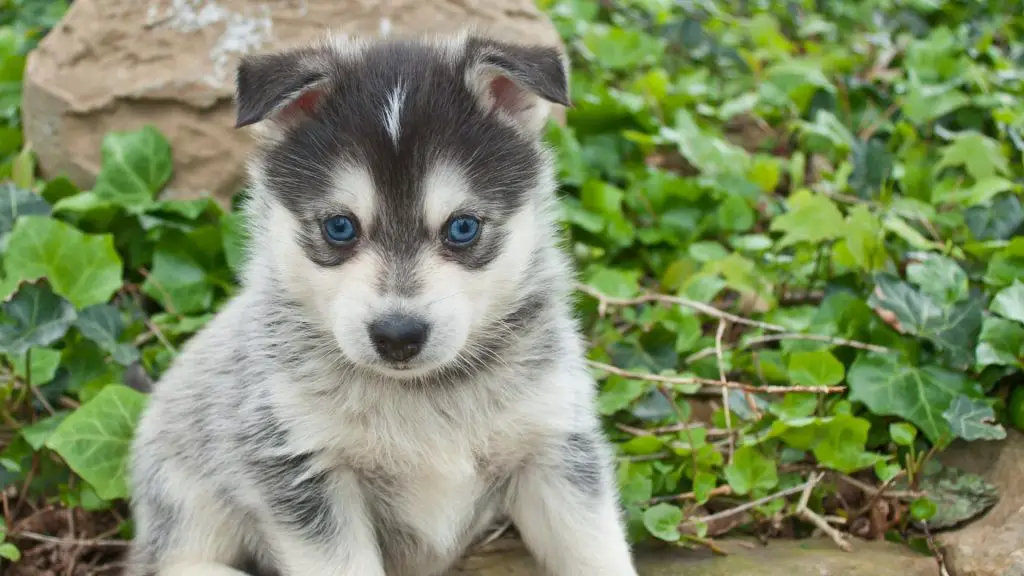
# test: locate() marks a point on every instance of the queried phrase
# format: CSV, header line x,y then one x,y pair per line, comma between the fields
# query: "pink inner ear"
x,y
305,104
506,93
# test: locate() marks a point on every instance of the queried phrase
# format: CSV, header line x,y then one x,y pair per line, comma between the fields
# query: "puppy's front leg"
x,y
565,505
319,525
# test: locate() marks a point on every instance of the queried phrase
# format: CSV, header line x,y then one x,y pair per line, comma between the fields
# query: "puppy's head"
x,y
401,191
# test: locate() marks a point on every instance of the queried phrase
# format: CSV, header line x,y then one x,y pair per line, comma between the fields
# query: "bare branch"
x,y
683,381
747,506
723,490
604,301
814,518
97,543
757,341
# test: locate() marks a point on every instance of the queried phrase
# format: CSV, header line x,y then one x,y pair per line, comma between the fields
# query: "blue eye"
x,y
463,230
340,229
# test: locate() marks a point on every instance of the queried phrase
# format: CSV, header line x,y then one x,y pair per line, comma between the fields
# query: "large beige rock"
x,y
779,558
119,64
994,544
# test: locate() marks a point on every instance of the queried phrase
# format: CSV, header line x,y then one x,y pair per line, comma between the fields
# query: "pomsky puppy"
x,y
401,368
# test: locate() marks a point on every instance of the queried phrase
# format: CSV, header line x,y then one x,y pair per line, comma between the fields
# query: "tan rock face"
x,y
120,64
994,544
778,558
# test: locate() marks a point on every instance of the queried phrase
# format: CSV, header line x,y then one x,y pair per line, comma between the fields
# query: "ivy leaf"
x,y
815,368
1007,265
663,520
735,214
15,202
89,368
44,364
829,128
983,192
998,220
1009,302
751,471
614,282
36,434
601,197
953,327
102,324
178,279
980,155
618,393
926,103
58,189
919,394
95,440
923,509
863,240
939,277
1001,343
873,166
711,154
135,166
798,79
841,445
35,316
902,433
83,268
618,48
703,484
973,419
10,552
812,218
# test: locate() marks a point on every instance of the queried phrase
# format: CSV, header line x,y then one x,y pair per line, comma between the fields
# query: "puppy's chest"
x,y
430,498
432,512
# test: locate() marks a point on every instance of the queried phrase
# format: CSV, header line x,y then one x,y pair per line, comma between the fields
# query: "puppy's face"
x,y
401,189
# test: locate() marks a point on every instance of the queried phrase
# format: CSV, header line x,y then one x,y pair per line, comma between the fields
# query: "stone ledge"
x,y
115,65
815,557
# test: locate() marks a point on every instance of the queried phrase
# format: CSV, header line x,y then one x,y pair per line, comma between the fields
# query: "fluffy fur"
x,y
281,441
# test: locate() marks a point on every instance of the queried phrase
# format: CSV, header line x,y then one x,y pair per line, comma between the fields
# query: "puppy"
x,y
401,368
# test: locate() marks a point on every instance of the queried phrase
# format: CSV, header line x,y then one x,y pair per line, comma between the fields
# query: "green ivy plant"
x,y
799,233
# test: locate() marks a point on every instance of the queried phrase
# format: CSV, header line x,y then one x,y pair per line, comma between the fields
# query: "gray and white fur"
x,y
381,391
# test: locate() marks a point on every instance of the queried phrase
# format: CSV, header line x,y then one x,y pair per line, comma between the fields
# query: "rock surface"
x,y
119,64
778,558
994,544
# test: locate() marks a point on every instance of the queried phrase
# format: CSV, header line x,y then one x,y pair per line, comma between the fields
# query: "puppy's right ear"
x,y
279,89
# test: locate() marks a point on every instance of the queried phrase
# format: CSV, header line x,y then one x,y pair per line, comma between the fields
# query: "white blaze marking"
x,y
445,191
394,112
353,189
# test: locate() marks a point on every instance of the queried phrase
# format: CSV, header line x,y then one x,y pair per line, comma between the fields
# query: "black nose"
x,y
397,337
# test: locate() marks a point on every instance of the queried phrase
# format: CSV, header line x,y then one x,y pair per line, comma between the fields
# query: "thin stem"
x,y
604,301
683,381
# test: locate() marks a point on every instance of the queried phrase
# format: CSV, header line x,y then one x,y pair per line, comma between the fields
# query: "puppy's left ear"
x,y
278,90
518,82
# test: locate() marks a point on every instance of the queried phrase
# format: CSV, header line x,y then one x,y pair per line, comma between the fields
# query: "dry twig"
x,y
723,490
670,429
874,498
701,354
682,381
725,389
151,327
814,518
89,543
604,301
940,558
747,506
873,491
